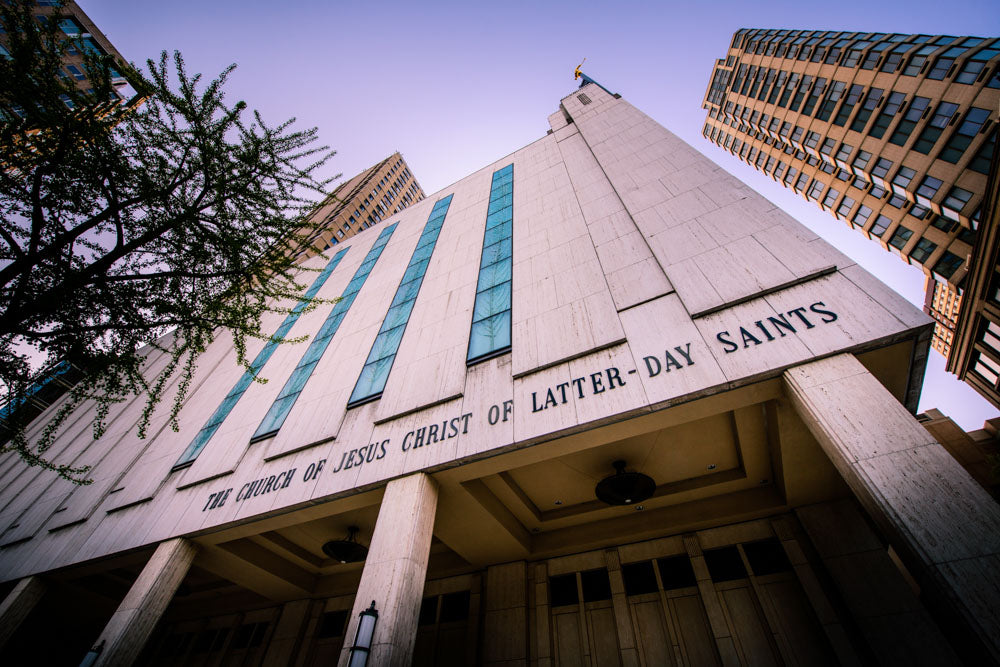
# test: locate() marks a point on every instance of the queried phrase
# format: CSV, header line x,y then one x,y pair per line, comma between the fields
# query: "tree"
x,y
122,222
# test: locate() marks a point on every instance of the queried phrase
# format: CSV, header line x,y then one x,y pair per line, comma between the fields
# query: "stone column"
x,y
623,618
126,633
884,608
505,626
928,506
713,608
18,604
287,635
395,570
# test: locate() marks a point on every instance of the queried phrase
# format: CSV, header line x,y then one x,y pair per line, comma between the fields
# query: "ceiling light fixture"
x,y
347,550
624,488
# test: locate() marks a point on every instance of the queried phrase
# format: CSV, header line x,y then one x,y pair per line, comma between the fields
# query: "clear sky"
x,y
457,85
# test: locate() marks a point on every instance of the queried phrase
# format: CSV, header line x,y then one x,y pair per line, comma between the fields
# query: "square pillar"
x,y
928,506
287,636
505,627
18,604
129,628
395,571
890,617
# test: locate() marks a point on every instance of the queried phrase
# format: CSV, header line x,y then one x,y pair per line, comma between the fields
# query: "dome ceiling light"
x,y
347,550
624,488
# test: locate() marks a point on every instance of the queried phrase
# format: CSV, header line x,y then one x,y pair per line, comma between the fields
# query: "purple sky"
x,y
456,85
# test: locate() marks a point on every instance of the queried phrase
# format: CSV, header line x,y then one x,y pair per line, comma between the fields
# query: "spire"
x,y
579,74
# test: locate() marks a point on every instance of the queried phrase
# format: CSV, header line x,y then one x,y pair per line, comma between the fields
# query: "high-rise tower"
x,y
891,133
378,192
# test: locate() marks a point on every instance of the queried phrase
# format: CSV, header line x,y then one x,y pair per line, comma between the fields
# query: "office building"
x,y
975,354
376,193
85,38
597,402
891,133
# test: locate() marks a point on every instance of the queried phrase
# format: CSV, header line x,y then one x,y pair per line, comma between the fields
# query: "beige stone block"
x,y
945,512
657,328
676,244
750,358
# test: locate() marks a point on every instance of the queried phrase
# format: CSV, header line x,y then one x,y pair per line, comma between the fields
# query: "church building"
x,y
640,417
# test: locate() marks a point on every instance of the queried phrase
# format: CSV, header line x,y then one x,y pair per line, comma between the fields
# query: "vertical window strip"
x,y
375,372
491,315
282,405
234,395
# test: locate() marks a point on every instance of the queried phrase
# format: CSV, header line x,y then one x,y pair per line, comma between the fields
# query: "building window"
x,y
800,184
884,119
920,57
925,192
844,210
861,163
975,64
963,136
895,57
815,190
923,250
902,179
910,119
874,53
942,116
854,54
955,201
981,162
375,372
843,154
793,81
831,197
491,315
282,405
800,93
945,61
900,237
797,134
861,217
825,109
790,175
871,101
817,92
232,398
880,225
847,108
881,169
986,368
897,201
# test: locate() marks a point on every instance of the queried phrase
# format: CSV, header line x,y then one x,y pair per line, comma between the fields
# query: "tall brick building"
x,y
891,133
378,192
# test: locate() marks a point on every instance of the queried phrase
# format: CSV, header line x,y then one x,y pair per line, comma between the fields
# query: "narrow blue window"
x,y
282,405
229,402
376,369
491,320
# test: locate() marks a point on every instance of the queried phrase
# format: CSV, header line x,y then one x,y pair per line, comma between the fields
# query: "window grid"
x,y
491,315
282,405
376,370
234,395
